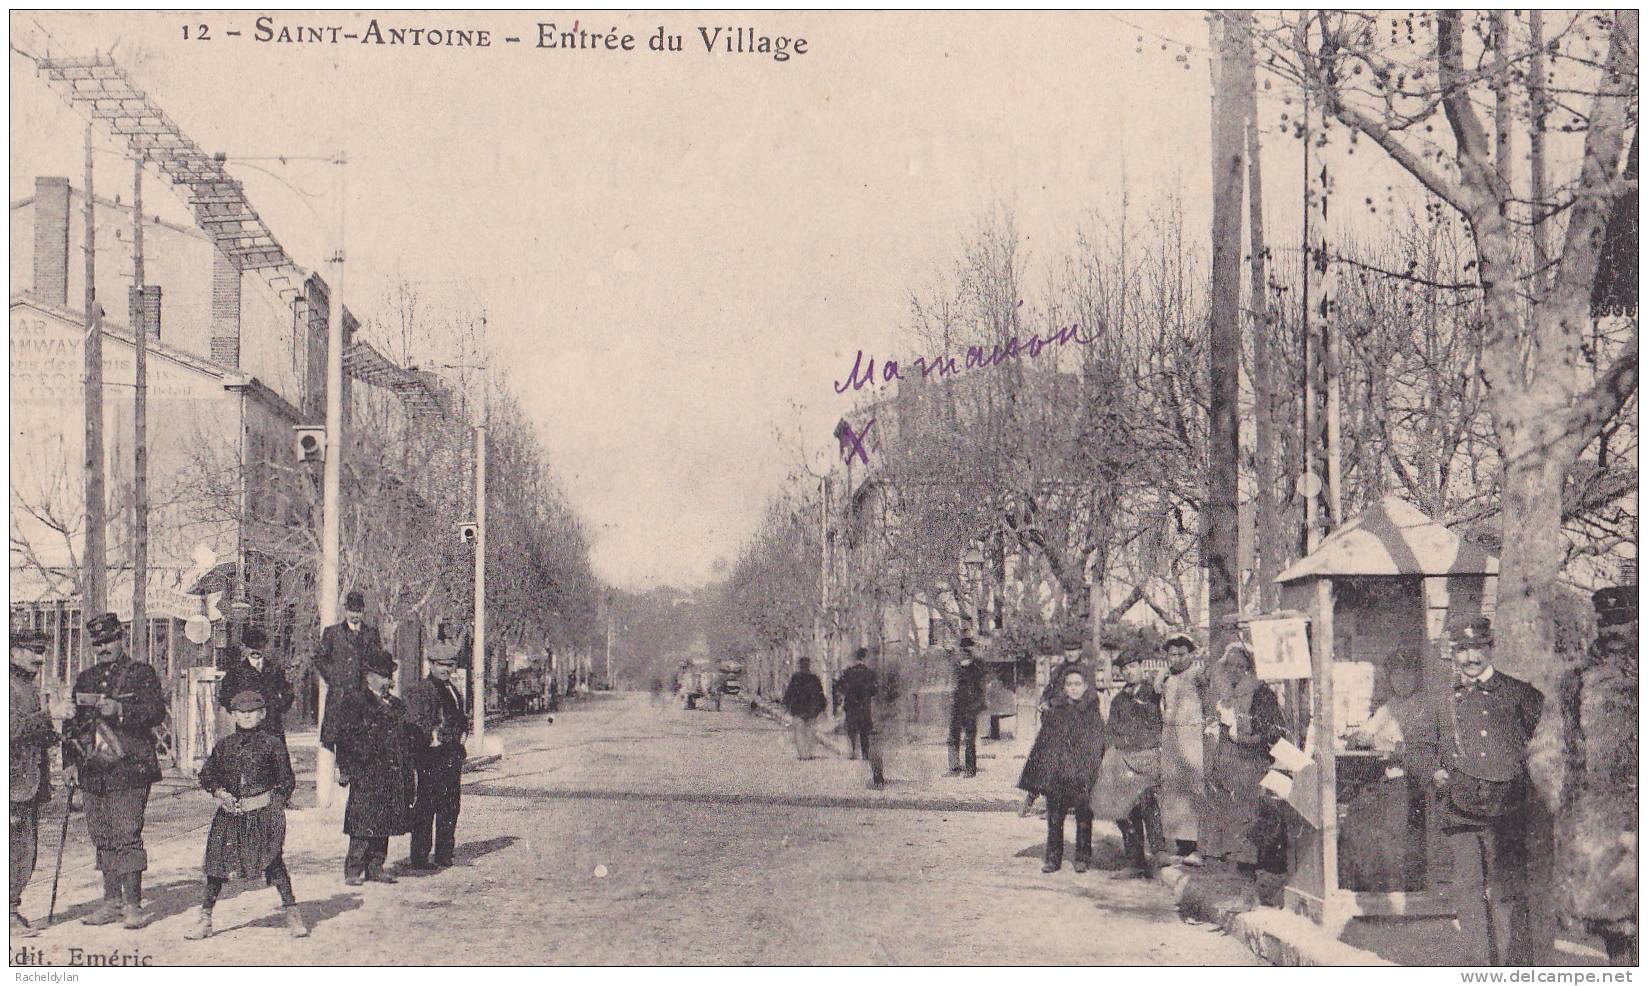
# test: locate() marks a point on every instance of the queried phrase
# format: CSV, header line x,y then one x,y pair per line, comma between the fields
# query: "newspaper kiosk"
x,y
1379,594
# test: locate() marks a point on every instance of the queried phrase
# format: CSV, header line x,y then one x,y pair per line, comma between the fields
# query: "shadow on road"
x,y
710,798
314,912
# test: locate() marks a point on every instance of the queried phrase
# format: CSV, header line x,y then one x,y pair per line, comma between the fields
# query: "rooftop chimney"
x,y
51,240
224,347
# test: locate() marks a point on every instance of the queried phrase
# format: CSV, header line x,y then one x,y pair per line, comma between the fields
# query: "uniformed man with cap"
x,y
1485,728
109,748
32,736
435,707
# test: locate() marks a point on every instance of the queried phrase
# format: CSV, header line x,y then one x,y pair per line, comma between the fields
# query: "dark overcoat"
x,y
142,708
804,696
270,682
31,737
247,763
1064,760
967,701
857,688
377,746
343,653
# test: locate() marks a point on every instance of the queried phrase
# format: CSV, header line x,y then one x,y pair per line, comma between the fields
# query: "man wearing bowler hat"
x,y
435,707
109,748
344,648
32,736
1485,729
377,745
966,702
255,671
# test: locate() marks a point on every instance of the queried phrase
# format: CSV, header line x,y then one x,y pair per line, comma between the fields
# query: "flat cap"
x,y
246,701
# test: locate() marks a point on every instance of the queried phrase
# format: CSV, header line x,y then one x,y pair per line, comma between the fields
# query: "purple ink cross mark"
x,y
855,441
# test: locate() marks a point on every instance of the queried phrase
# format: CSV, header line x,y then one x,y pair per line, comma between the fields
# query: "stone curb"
x,y
1278,937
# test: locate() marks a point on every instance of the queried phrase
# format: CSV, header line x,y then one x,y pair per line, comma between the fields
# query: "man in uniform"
x,y
967,701
1485,729
345,648
434,706
31,737
255,672
110,750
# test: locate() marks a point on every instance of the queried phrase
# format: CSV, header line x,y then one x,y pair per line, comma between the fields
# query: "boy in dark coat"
x,y
376,744
1064,763
250,775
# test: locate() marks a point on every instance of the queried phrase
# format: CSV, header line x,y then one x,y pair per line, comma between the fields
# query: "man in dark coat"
x,y
376,746
1133,734
256,672
346,646
804,700
1485,729
967,702
32,736
109,751
855,687
434,707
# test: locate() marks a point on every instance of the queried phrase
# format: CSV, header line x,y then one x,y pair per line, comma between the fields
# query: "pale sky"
x,y
677,253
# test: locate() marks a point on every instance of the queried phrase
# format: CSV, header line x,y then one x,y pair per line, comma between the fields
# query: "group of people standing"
x,y
401,760
1178,759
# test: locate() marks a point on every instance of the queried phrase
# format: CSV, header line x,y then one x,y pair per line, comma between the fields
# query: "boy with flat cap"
x,y
32,737
109,749
1484,785
250,775
435,707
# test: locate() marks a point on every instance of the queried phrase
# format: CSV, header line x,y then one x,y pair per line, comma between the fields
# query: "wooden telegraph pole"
x,y
140,428
1232,43
94,587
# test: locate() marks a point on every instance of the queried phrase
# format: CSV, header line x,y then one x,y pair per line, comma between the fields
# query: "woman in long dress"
x,y
1250,831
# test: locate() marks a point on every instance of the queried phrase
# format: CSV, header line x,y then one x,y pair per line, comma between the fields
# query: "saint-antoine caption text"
x,y
564,36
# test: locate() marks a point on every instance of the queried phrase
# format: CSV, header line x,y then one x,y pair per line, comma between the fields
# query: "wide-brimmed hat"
x,y
1179,638
1477,632
104,628
246,701
253,638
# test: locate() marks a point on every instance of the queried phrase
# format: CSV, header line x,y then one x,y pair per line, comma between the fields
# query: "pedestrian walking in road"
x,y
376,745
857,688
966,703
109,750
1063,765
1184,724
344,649
804,701
1485,791
259,673
1127,786
434,706
250,775
32,737
1072,661
1248,826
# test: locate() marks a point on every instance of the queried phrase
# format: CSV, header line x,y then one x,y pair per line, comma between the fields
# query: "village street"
x,y
628,832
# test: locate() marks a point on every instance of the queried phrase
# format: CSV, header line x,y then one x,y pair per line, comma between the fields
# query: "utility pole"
x,y
140,428
1221,551
822,631
331,476
94,587
478,655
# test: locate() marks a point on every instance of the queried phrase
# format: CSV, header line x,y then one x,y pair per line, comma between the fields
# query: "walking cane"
x,y
62,838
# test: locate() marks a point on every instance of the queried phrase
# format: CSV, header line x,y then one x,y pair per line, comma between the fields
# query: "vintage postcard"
x,y
823,488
